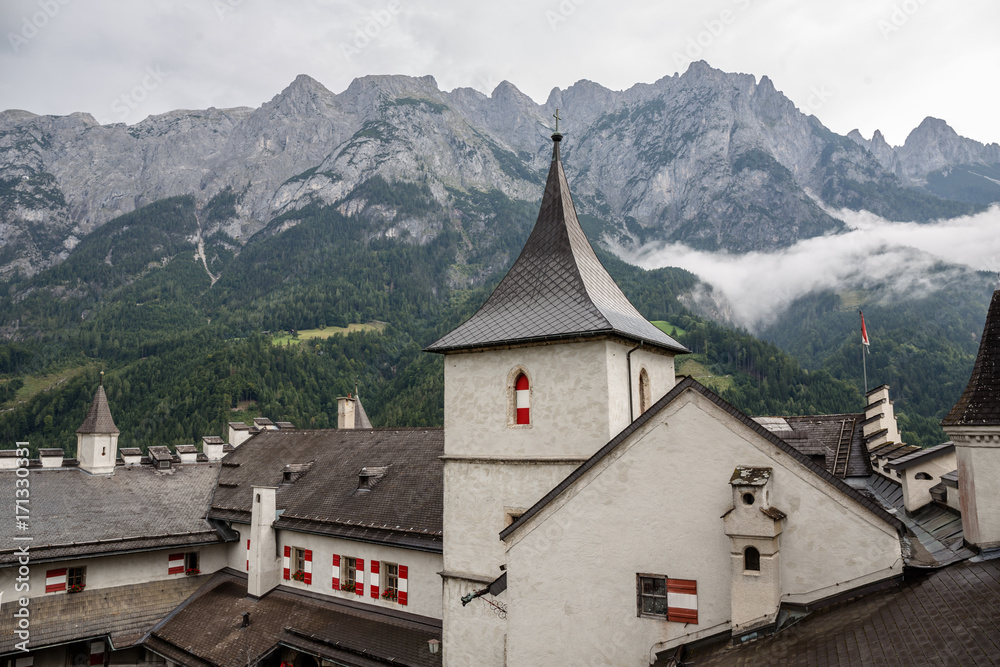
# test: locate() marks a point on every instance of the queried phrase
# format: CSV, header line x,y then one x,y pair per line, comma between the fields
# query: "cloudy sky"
x,y
868,64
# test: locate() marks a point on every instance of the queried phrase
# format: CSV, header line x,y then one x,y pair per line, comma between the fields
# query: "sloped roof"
x,y
690,384
556,289
819,435
124,613
404,508
360,416
980,402
208,629
948,617
138,507
98,419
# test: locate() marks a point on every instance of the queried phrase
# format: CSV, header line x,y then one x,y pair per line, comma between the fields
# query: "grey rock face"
x,y
713,159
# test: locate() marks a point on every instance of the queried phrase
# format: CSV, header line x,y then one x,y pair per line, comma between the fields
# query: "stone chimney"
x,y
97,438
753,527
974,426
262,558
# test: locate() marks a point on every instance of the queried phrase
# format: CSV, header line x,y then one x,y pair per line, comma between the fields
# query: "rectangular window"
x,y
191,563
76,579
658,596
348,573
652,595
299,564
390,575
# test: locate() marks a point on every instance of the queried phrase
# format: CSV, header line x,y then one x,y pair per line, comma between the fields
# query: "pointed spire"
x,y
980,402
360,416
99,418
556,289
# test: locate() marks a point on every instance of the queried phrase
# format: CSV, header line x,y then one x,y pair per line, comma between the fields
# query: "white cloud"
x,y
243,52
904,257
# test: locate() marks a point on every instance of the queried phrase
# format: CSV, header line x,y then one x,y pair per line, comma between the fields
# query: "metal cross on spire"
x,y
556,116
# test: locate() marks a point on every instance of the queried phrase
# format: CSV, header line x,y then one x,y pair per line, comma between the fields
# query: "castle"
x,y
581,505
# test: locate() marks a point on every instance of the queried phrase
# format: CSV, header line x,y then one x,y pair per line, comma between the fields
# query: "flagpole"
x,y
864,346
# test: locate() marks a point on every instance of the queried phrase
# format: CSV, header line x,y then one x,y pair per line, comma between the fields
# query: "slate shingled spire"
x,y
557,288
99,418
980,402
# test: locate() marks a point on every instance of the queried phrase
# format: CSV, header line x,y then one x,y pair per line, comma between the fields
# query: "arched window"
x,y
522,400
645,399
751,560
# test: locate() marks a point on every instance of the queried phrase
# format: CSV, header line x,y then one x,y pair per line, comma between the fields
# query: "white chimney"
x,y
132,456
188,453
51,458
345,412
213,447
264,564
238,433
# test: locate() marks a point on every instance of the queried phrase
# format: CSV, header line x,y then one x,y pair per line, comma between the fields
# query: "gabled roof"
x,y
980,402
98,419
689,384
404,509
948,617
208,630
557,288
123,613
138,508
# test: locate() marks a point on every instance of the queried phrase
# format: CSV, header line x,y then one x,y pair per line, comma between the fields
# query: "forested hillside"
x,y
183,355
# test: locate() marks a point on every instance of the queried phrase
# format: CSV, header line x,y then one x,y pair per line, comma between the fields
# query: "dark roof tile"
x,y
404,508
979,404
556,289
98,419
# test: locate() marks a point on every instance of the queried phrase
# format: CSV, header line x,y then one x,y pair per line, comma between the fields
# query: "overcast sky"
x,y
868,64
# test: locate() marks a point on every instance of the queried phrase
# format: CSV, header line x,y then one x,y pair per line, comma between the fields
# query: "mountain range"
x,y
712,159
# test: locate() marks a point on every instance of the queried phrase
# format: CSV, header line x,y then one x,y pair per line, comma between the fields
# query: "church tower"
x,y
974,426
555,363
97,438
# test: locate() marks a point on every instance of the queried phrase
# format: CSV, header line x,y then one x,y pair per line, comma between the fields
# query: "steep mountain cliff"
x,y
713,159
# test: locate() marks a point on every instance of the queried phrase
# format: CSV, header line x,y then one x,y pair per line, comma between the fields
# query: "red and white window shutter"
x,y
359,577
308,573
336,572
682,600
522,397
175,564
55,580
375,572
401,586
287,563
248,555
97,653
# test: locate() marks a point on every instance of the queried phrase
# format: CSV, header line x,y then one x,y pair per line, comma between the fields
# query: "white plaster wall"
x,y
917,492
979,483
423,582
659,366
579,398
474,634
655,507
122,570
88,452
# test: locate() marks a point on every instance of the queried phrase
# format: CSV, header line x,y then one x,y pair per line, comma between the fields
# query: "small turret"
x,y
97,437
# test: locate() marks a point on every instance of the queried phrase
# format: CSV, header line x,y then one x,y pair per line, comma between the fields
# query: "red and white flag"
x,y
864,333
